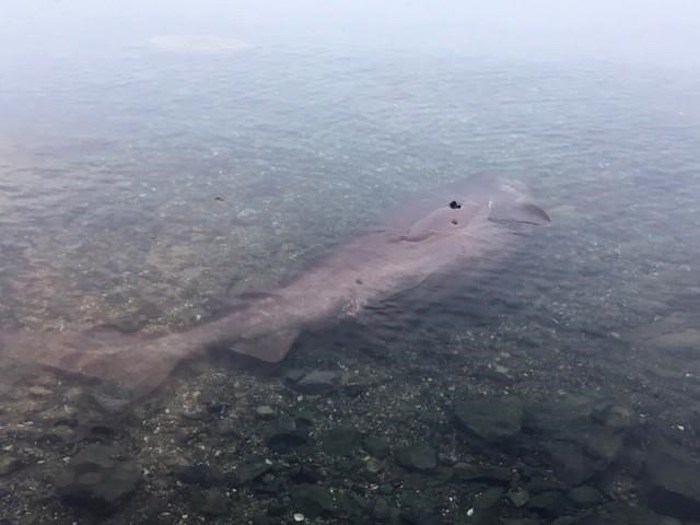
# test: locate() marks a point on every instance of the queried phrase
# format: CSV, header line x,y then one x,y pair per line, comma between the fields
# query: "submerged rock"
x,y
197,474
571,463
210,502
312,500
95,479
376,446
252,469
416,517
417,457
9,465
673,484
287,436
341,441
491,419
518,497
581,437
585,496
548,504
490,475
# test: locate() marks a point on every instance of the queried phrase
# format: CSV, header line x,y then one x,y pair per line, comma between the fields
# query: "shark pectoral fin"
x,y
270,348
523,212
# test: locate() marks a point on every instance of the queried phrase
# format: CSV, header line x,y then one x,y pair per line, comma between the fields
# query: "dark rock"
x,y
382,511
341,441
227,427
673,484
599,429
490,419
250,470
593,518
210,502
303,422
543,484
571,463
318,382
421,518
376,446
287,437
312,500
306,474
519,497
548,504
417,457
622,514
355,389
96,480
585,497
483,474
352,507
486,505
9,465
216,408
198,474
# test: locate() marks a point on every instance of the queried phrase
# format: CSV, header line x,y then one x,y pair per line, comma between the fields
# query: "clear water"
x,y
140,189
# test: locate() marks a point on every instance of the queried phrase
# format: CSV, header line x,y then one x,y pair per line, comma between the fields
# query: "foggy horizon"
x,y
633,32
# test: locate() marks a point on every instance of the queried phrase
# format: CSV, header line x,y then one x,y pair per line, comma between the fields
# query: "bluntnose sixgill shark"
x,y
440,232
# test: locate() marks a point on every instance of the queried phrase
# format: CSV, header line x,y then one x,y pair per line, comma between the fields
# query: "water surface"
x,y
139,190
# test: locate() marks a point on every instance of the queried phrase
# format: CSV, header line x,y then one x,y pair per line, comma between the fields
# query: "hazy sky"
x,y
655,31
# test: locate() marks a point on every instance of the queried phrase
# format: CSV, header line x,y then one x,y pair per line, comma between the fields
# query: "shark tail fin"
x,y
270,348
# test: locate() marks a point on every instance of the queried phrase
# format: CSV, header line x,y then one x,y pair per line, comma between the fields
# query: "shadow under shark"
x,y
441,233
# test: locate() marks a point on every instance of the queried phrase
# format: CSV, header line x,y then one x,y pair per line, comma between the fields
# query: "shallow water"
x,y
138,191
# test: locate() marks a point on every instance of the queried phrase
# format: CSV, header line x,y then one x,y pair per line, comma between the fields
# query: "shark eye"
x,y
455,205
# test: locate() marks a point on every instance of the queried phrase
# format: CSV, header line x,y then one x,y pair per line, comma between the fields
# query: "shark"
x,y
440,232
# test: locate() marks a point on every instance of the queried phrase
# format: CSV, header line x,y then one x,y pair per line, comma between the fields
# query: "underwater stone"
x,y
518,497
417,457
485,474
341,441
376,446
250,470
493,420
9,465
211,502
673,484
548,504
312,500
198,474
422,518
571,463
585,496
287,436
95,480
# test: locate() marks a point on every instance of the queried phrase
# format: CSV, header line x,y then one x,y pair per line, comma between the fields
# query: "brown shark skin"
x,y
423,238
